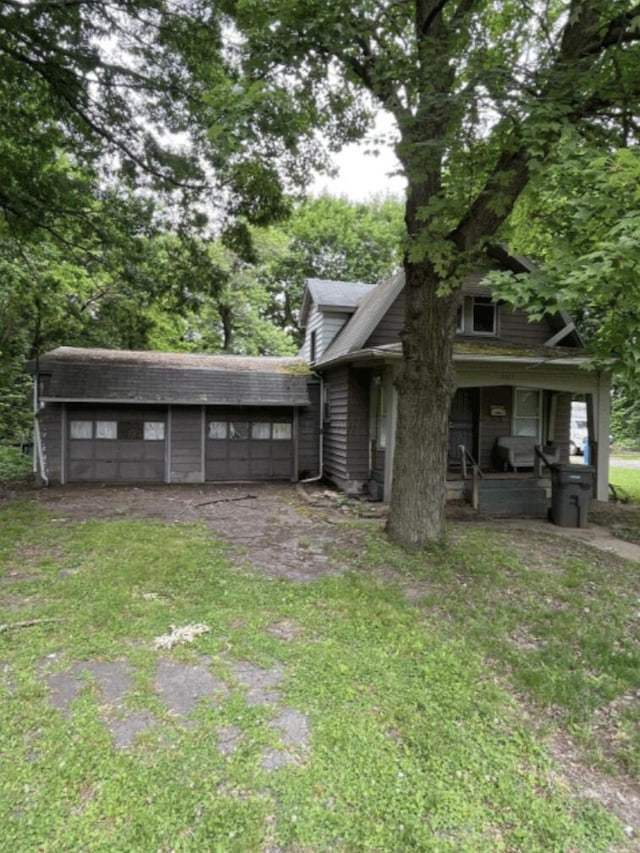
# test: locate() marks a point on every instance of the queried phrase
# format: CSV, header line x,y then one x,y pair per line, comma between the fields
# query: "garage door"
x,y
123,448
249,446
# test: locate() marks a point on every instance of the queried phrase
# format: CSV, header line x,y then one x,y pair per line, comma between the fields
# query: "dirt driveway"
x,y
285,531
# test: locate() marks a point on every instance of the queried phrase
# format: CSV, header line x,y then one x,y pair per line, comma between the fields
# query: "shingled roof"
x,y
370,312
94,375
336,295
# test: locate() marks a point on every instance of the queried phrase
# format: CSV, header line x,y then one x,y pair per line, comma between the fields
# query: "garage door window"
x,y
282,432
217,429
81,429
239,430
130,430
107,430
153,431
261,431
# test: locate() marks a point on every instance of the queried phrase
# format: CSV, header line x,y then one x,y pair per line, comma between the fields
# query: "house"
x,y
120,416
515,382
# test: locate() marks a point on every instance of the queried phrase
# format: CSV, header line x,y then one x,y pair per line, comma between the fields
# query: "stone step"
x,y
513,498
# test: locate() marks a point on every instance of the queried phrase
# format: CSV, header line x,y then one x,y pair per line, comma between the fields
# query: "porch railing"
x,y
468,463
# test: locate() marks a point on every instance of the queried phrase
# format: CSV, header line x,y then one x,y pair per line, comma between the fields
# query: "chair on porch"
x,y
519,451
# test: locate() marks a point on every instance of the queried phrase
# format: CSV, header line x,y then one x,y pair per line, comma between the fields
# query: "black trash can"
x,y
571,489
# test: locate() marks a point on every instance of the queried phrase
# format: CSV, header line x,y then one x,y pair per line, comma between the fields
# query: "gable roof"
x,y
370,312
127,376
329,294
377,302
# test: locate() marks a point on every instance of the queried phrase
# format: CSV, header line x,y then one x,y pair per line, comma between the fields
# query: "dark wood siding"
x,y
309,435
51,419
335,428
358,429
388,329
187,436
513,327
490,426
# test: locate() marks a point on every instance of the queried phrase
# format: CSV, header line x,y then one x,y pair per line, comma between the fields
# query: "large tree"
x,y
481,92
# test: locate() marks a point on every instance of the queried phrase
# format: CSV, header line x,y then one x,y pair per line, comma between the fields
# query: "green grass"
x,y
13,464
415,742
628,479
558,621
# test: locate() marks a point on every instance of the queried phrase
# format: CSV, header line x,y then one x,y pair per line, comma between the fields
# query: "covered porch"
x,y
506,399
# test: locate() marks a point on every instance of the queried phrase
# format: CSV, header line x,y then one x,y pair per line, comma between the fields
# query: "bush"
x,y
14,464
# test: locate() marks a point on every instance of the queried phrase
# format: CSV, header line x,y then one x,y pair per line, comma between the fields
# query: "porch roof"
x,y
480,352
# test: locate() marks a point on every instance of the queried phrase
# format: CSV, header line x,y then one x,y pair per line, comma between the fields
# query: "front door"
x,y
463,418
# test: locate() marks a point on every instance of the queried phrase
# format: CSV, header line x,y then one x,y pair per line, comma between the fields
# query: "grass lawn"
x,y
401,676
628,478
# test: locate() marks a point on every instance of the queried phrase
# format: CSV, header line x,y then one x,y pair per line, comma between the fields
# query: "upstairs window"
x,y
483,316
477,315
312,346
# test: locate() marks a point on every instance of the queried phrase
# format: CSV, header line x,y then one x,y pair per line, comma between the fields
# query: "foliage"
x,y
329,238
14,464
625,413
412,744
582,219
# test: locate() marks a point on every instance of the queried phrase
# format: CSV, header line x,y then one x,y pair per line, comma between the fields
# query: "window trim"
x,y
485,301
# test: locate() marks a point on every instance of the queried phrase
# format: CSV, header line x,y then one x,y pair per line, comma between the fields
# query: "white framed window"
x,y
107,430
281,432
483,316
527,412
81,430
154,430
261,431
217,429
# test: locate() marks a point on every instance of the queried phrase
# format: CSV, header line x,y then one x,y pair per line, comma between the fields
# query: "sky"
x,y
363,175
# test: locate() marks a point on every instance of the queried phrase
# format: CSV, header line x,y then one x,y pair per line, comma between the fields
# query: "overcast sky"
x,y
363,175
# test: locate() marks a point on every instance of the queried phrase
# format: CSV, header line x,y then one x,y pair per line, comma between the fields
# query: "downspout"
x,y
38,455
320,439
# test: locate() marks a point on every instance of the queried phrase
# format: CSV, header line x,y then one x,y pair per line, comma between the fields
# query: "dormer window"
x,y
477,315
483,316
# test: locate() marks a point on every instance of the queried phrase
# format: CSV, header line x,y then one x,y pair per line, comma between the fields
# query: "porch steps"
x,y
515,497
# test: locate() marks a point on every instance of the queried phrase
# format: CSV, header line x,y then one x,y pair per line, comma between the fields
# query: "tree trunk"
x,y
425,387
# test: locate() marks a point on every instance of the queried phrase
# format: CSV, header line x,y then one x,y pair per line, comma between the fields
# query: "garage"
x,y
116,445
247,444
123,416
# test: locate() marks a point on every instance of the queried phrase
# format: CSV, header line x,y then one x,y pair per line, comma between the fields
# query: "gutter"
x,y
377,353
38,453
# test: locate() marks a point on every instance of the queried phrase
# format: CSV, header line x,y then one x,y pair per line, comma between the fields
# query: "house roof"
x,y
95,375
377,301
328,294
370,312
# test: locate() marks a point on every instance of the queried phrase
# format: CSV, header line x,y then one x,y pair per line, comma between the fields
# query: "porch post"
x,y
391,395
601,415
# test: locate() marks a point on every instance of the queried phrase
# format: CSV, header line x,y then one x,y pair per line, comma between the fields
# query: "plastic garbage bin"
x,y
571,489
